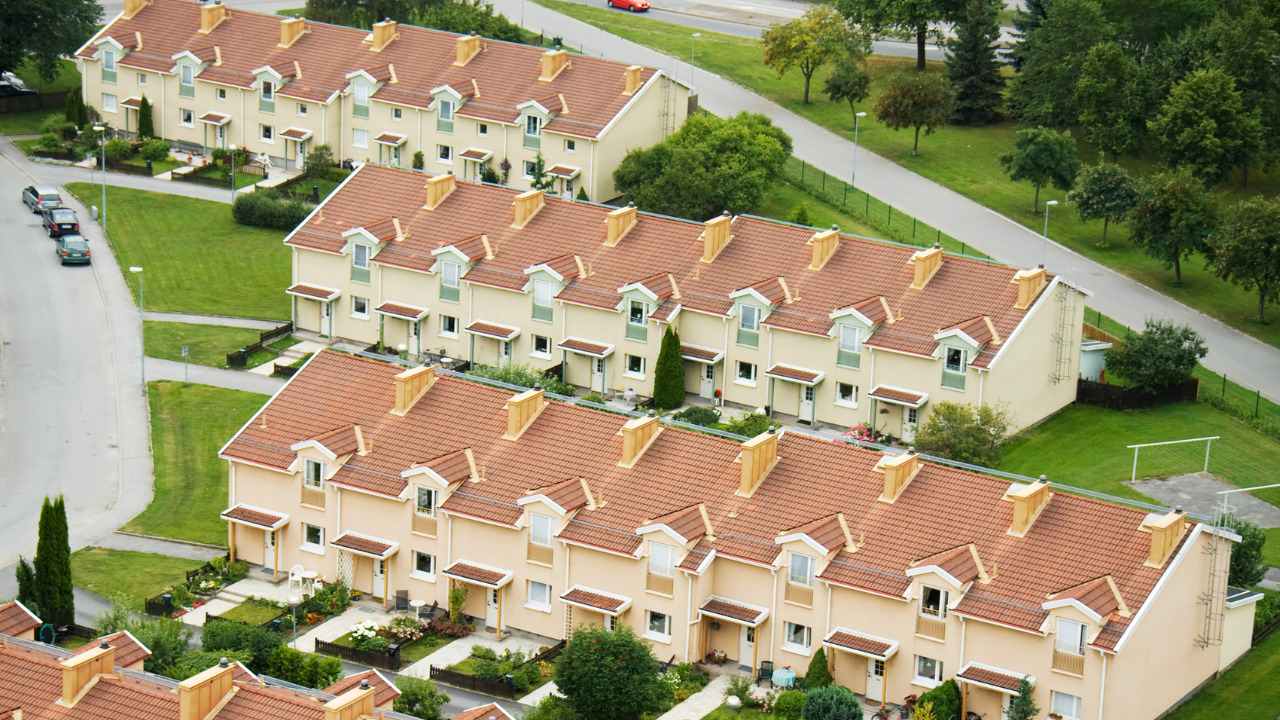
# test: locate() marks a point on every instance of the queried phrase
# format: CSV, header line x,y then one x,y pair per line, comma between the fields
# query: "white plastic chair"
x,y
295,576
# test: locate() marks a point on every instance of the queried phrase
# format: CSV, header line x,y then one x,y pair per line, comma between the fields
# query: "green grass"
x,y
961,158
189,423
252,613
206,344
25,123
196,258
783,198
127,573
213,172
163,166
724,713
67,79
29,122
1247,691
283,343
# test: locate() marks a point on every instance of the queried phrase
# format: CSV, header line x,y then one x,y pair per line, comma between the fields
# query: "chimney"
x,y
1028,502
899,470
1029,283
79,672
438,188
522,410
131,7
202,695
527,205
716,236
926,263
618,223
553,63
465,48
211,15
637,435
824,245
351,705
383,33
632,75
758,456
1165,534
411,385
290,30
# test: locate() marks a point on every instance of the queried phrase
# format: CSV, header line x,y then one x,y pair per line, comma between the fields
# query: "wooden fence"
x,y
1265,631
496,688
1114,397
268,625
24,103
240,358
56,155
1091,332
128,169
158,607
388,659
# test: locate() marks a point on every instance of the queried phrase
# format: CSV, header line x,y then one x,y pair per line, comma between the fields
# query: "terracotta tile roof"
x,y
128,649
214,118
294,133
132,102
693,352
568,494
665,310
485,576
774,290
905,397
564,171
695,557
507,73
383,690
606,538
16,619
476,506
390,139
311,291
364,544
492,711
791,372
958,562
687,522
502,332
991,677
827,532
975,328
354,474
478,154
586,346
730,610
31,679
566,266
254,516
340,441
407,312
597,599
454,467
861,643
1095,595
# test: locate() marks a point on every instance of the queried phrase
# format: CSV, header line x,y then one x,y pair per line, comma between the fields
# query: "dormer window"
x,y
425,501
662,569
933,602
802,570
267,100
532,132
450,274
313,474
186,81
638,320
444,115
850,353
542,529
1072,637
360,255
957,363
360,101
749,326
542,293
108,65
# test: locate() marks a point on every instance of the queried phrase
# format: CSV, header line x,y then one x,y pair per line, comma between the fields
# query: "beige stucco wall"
x,y
1237,634
643,126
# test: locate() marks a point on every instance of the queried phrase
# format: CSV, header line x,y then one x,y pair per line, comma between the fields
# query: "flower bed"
x,y
415,639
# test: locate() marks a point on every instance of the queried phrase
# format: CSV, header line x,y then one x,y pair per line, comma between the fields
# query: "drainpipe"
x,y
724,381
688,636
871,417
982,384
1102,690
773,613
595,189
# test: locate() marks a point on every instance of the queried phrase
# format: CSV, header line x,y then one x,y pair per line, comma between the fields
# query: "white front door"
x,y
415,336
326,317
910,421
806,403
504,352
491,609
269,550
597,374
746,646
222,136
875,680
707,389
567,194
379,577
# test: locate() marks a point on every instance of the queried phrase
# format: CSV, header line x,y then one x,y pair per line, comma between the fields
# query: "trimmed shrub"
x,y
265,208
225,157
788,705
419,160
51,143
319,163
374,644
582,194
832,703
484,653
750,425
698,415
58,126
945,699
818,675
668,374
117,149
222,635
155,151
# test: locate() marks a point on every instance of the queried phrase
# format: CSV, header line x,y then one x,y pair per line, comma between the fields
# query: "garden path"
x,y
536,696
339,625
697,705
220,320
158,369
460,649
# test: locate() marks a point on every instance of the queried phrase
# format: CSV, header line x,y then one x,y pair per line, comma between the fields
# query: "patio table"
x,y
784,677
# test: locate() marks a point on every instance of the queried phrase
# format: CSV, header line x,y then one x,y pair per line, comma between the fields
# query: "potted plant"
x,y
719,656
1054,716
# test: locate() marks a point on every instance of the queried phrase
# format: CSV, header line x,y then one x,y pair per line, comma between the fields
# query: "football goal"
x,y
1172,457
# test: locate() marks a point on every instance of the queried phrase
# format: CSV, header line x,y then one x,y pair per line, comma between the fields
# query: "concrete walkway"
x,y
219,320
460,649
158,369
697,705
160,546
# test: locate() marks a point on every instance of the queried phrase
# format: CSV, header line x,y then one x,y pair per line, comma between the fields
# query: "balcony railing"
x,y
1068,662
266,106
360,275
931,627
638,332
799,594
312,496
661,584
750,338
533,142
544,554
360,111
952,380
444,126
849,359
449,293
543,312
424,524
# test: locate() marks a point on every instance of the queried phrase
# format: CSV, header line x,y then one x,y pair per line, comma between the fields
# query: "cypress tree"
x,y
146,123
52,567
972,65
818,675
27,585
668,374
71,112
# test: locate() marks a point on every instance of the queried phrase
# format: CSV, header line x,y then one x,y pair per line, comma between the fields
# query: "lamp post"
x,y
102,146
693,42
854,174
1044,241
293,610
142,328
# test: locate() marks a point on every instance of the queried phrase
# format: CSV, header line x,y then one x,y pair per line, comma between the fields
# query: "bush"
x,y
489,175
419,698
155,151
582,195
750,425
524,376
419,160
227,158
698,415
57,126
1267,610
789,704
197,661
117,149
305,669
167,639
373,644
740,687
965,432
945,700
266,208
444,626
483,652
319,163
1163,354
259,642
237,570
51,142
834,703
818,675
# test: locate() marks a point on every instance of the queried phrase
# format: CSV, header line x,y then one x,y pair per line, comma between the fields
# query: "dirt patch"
x,y
1198,493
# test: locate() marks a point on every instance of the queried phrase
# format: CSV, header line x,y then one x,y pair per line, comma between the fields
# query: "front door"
x,y
326,317
707,390
806,404
504,352
269,550
379,577
491,609
222,137
875,680
567,194
415,336
910,421
746,646
597,374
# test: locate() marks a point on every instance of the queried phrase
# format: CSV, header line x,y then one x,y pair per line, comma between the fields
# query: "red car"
x,y
632,5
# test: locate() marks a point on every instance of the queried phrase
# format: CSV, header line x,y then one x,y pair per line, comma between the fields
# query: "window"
x,y
425,502
108,65
359,307
532,125
313,474
659,627
312,538
222,94
482,129
360,101
541,346
268,90
142,79
268,133
450,274
360,255
749,326
424,566
802,570
539,596
528,168
953,372
445,153
662,560
542,292
1069,707
444,115
955,360
928,671
1072,637
635,367
302,109
541,528
359,138
913,416
108,102
569,146
933,602
847,394
850,352
449,326
186,81
186,118
798,637
746,373
397,114
638,320
446,109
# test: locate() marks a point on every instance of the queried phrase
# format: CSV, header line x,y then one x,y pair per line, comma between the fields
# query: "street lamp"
x,y
1044,243
693,40
293,609
102,144
854,174
142,328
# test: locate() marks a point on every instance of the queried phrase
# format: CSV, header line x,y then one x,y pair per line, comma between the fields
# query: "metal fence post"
x,y
1224,387
913,228
1257,402
890,223
867,213
802,164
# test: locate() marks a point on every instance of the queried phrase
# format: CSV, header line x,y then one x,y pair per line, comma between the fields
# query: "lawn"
x,y
127,574
783,198
1248,691
724,713
214,172
411,653
163,166
29,122
252,613
961,158
206,344
189,423
197,259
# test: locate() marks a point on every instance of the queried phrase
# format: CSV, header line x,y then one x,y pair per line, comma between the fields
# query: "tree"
x,y
419,698
195,662
818,675
301,668
168,640
1247,566
27,593
709,165
234,636
1042,157
609,674
75,111
916,100
1246,249
146,120
972,65
52,566
419,160
319,162
1247,45
1104,192
809,42
1052,58
1109,96
1023,706
1141,24
912,19
965,432
1163,354
1205,126
1025,19
800,214
668,373
467,16
831,702
1173,219
539,180
44,31
849,80
944,699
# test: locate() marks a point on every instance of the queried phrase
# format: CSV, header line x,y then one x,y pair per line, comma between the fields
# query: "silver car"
x,y
41,197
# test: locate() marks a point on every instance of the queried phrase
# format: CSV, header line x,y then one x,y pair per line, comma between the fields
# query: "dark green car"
x,y
72,249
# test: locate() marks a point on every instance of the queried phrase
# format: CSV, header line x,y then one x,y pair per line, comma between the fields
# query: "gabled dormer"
x,y
430,484
363,83
668,540
853,324
447,99
959,344
364,242
111,51
534,116
806,550
190,63
548,510
268,79
454,260
1076,615
639,301
547,279
321,457
751,305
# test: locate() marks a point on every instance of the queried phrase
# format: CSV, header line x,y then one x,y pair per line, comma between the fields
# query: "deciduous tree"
x,y
1104,192
1109,96
849,80
1247,567
1173,219
909,19
668,372
44,32
1204,125
916,100
1246,249
1163,354
1247,48
419,698
1052,56
1042,157
972,66
609,674
810,41
965,432
466,16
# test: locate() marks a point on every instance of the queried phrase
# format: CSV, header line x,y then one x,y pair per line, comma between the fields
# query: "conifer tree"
x,y
146,122
972,66
27,585
52,566
668,374
818,675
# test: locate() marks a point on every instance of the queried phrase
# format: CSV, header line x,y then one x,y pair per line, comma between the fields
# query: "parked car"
x,y
60,221
72,249
39,197
8,89
632,5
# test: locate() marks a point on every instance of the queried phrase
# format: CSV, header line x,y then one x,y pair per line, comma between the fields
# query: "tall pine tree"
x,y
146,121
27,585
53,565
972,65
668,374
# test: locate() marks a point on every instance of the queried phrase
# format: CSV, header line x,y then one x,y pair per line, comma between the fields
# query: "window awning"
x,y
214,118
134,102
795,374
899,396
390,139
477,154
568,172
586,347
993,678
493,330
314,292
407,312
478,574
860,643
296,133
733,611
366,545
253,516
596,600
700,354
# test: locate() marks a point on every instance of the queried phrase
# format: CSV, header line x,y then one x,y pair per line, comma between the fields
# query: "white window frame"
x,y
921,665
1072,637
662,560
662,633
450,274
187,75
913,416
542,530
355,304
482,130
543,354
747,381
1070,707
221,95
360,95
543,292
302,109
307,545
268,91
538,596
628,372
448,320
943,597
397,114
267,134
962,367
793,632
186,118
423,575
108,60
855,346
313,472
802,569
749,318
853,395
142,79
444,109
640,319
108,106
529,165
570,145
533,126
359,138
433,504
444,153
360,256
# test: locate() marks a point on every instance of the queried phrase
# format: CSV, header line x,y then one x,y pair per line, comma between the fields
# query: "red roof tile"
x,y
860,644
733,611
957,562
253,516
586,346
1009,681
16,619
791,372
693,352
895,395
492,711
363,544
383,691
502,332
311,291
474,573
407,312
128,649
598,600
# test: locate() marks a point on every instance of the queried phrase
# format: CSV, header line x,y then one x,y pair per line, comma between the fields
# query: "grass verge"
x,y
251,613
197,259
28,122
206,344
127,573
1248,689
189,423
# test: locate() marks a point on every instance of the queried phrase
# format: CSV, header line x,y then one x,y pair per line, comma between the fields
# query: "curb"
x,y
169,540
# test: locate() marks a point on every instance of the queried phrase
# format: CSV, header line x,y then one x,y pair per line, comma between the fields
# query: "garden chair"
x,y
295,577
765,673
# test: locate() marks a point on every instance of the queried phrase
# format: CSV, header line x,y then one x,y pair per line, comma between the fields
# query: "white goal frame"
x,y
1208,441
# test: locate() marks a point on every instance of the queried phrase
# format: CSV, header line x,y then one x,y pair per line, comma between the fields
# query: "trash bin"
x,y
168,599
275,624
149,170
